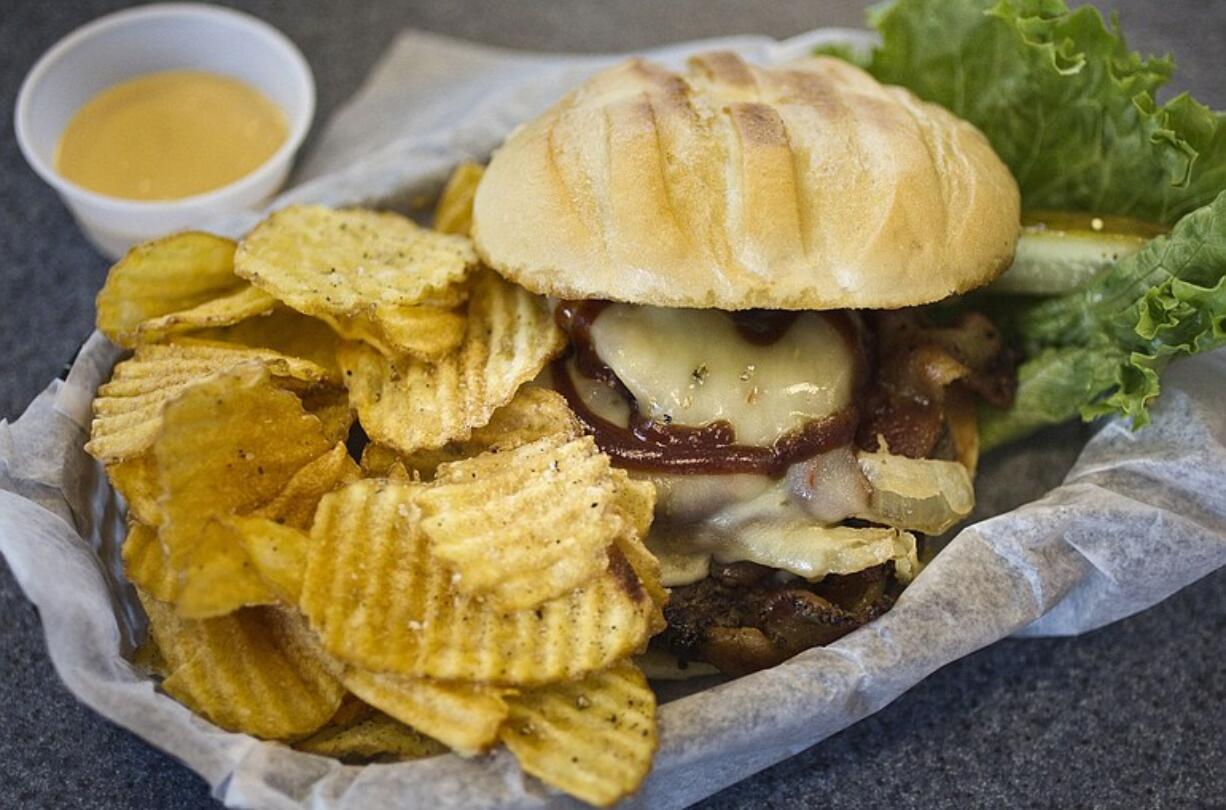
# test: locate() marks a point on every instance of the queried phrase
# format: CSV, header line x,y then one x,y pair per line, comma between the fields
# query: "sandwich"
x,y
750,264
704,360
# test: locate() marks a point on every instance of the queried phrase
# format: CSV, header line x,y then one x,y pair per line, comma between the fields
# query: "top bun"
x,y
805,186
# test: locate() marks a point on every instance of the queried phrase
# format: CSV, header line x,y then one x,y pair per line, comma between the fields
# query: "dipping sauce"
x,y
167,135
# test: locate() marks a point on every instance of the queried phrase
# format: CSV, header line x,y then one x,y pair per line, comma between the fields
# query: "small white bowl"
x,y
172,36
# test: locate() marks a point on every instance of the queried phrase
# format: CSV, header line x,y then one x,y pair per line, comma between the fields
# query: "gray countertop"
x,y
1133,715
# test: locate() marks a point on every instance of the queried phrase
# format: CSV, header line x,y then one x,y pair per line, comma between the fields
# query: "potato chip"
x,y
454,212
245,302
331,407
374,737
466,717
179,640
377,460
136,480
149,658
351,711
245,671
215,574
425,332
286,331
525,525
380,602
295,504
128,409
277,553
398,472
535,413
592,738
343,262
635,501
144,563
166,275
413,405
228,445
647,568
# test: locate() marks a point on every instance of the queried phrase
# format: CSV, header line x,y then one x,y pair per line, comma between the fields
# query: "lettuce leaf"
x,y
1072,112
1100,350
1063,101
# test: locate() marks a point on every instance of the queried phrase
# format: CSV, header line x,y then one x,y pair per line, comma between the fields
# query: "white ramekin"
x,y
141,40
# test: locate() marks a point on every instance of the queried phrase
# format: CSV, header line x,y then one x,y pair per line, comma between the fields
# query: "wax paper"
x,y
1075,528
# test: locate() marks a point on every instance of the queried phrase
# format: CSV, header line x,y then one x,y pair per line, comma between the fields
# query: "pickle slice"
x,y
1060,252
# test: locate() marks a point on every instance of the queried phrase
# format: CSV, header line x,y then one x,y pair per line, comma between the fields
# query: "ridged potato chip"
x,y
245,671
216,576
425,332
351,711
149,658
245,302
412,405
454,212
381,602
535,413
295,504
466,717
166,275
277,553
178,640
241,560
635,501
525,525
144,563
592,738
646,567
343,262
331,407
136,480
377,460
128,409
228,445
286,331
224,582
372,737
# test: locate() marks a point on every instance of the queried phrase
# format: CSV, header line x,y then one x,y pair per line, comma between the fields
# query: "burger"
x,y
755,266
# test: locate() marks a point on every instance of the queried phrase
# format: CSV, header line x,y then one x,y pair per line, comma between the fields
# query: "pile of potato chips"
x,y
479,578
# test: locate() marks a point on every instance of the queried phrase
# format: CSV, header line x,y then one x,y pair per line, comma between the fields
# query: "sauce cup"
x,y
171,36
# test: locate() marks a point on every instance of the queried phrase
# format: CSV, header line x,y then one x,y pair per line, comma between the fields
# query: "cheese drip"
x,y
693,367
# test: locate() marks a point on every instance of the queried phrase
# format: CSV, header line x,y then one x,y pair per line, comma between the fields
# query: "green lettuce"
x,y
1099,350
1072,112
1065,104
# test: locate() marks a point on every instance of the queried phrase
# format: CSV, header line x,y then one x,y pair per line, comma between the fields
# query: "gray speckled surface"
x,y
1129,716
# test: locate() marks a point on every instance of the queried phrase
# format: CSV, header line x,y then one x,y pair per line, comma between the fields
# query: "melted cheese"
x,y
786,541
691,367
788,523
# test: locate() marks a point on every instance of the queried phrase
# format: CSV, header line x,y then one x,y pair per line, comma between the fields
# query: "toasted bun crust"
x,y
806,186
